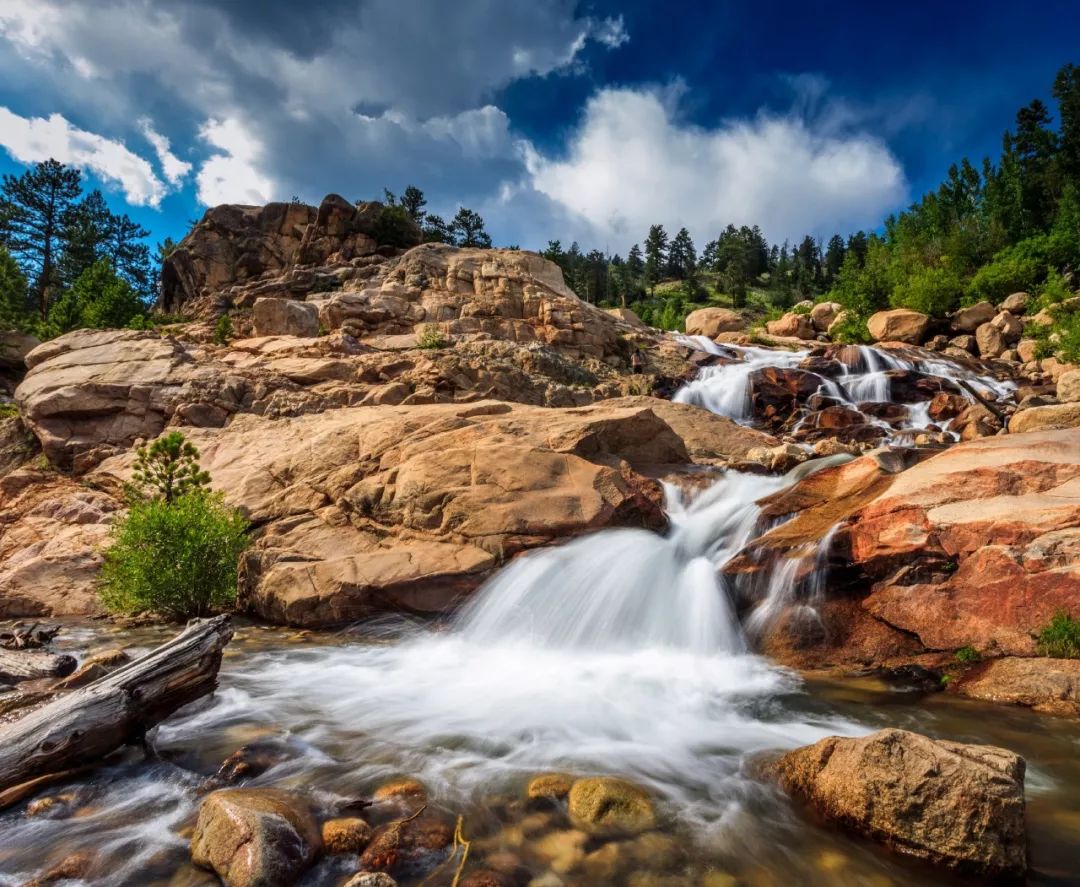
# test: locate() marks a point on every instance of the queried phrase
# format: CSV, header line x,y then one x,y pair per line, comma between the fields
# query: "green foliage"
x,y
1054,290
98,299
223,330
169,468
13,311
1019,267
1061,638
431,338
8,410
174,557
968,655
933,291
395,227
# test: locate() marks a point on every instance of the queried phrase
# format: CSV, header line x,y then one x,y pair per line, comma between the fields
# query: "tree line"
x,y
66,260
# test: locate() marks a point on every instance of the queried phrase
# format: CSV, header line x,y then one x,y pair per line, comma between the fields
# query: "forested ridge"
x,y
991,228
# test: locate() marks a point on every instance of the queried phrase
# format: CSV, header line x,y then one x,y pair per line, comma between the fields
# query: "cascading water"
x,y
725,389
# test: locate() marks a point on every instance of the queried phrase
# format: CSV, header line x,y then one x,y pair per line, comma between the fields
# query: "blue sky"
x,y
552,118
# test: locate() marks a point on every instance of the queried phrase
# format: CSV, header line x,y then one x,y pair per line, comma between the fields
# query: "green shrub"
x,y
1061,638
168,468
176,558
850,330
933,291
968,655
98,299
223,330
8,410
800,308
395,227
431,338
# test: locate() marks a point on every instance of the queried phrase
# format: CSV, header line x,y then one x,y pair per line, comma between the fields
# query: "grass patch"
x,y
1061,638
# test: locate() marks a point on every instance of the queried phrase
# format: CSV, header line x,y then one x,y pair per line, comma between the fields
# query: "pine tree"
x,y
655,256
682,257
436,230
1067,95
34,207
834,258
413,202
13,309
467,229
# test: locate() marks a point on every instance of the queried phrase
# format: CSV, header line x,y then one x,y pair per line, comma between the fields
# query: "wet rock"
x,y
371,879
915,678
345,835
486,878
255,837
250,761
711,322
911,386
405,795
823,366
87,673
945,406
1050,686
975,421
549,786
898,325
562,850
285,317
407,848
893,413
73,867
837,417
776,391
969,319
937,343
108,658
608,804
954,805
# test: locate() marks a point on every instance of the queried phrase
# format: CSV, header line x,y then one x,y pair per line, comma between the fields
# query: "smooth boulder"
x,y
711,322
285,317
955,805
255,837
898,325
605,804
969,319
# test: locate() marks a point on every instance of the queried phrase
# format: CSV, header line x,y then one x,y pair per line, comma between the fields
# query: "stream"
x,y
617,653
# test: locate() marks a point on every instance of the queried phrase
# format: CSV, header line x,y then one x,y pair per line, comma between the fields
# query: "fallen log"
x,y
21,665
87,724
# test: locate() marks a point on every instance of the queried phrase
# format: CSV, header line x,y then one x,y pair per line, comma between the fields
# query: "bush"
x,y
431,338
177,558
1061,638
968,655
932,291
395,227
98,299
223,330
169,468
850,329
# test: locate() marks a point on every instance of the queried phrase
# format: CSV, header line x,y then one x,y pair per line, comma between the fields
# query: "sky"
x,y
553,119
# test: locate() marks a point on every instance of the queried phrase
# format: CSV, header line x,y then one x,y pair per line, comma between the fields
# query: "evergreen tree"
x,y
682,257
35,206
834,258
413,202
1067,94
98,299
13,309
467,229
436,230
656,245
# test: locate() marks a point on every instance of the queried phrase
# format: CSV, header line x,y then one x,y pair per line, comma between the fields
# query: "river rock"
x,y
371,879
345,835
1026,349
1046,418
969,319
1068,387
975,420
711,322
1050,686
255,837
285,317
990,339
898,325
793,325
607,804
1016,303
549,786
958,806
407,848
823,314
966,343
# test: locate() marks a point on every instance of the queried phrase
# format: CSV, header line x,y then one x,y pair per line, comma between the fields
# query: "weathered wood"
x,y
21,665
87,724
27,638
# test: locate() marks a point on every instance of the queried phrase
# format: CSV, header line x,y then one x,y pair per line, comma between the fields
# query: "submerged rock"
x,y
347,835
955,805
407,848
1050,686
255,837
608,804
549,785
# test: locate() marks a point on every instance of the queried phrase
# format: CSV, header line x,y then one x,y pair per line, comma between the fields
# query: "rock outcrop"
x,y
1050,686
954,805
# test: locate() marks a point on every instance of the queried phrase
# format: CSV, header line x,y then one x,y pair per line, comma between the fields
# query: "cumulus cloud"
x,y
175,169
631,163
33,139
231,174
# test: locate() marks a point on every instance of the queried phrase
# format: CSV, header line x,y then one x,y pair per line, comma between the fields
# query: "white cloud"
x,y
175,169
33,139
231,174
611,32
631,164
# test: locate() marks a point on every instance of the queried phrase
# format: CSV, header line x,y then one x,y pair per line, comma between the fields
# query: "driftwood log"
x,y
23,665
87,724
